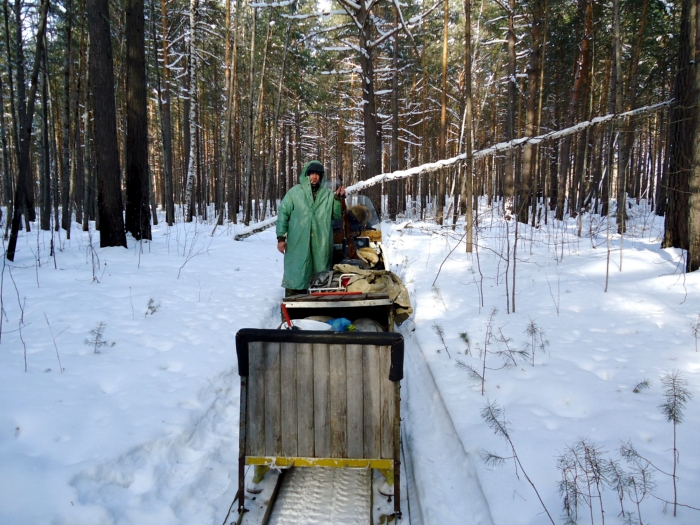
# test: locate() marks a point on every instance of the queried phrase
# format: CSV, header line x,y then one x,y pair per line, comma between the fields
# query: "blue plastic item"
x,y
341,324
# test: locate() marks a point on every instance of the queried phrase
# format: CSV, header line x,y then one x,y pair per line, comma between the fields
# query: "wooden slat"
x,y
305,400
387,403
353,355
371,404
273,422
256,401
322,434
288,395
338,402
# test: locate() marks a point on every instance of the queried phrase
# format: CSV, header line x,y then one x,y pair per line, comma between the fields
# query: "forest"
x,y
208,110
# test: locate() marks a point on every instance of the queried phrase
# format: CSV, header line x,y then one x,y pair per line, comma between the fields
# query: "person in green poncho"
x,y
304,231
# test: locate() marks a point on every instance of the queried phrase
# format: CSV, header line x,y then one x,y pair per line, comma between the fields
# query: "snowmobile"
x,y
320,437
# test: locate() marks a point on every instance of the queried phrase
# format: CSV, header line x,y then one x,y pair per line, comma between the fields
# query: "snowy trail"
x,y
447,484
146,430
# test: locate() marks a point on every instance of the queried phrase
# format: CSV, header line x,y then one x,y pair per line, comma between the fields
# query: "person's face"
x,y
314,178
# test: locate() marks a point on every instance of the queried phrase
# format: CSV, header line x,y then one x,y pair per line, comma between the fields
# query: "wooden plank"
x,y
273,409
256,400
305,400
387,403
338,402
288,395
371,403
322,434
353,356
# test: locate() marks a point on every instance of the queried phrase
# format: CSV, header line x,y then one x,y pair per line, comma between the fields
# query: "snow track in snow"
x,y
447,487
183,479
323,495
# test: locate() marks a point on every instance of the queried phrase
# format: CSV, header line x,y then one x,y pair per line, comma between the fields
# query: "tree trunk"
x,y
442,144
6,174
192,165
373,141
565,159
533,73
508,182
392,201
78,102
138,214
250,126
626,145
165,118
67,216
24,192
109,194
694,174
44,161
468,177
13,109
275,120
683,116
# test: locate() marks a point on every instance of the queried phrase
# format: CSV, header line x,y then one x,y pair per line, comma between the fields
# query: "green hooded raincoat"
x,y
307,224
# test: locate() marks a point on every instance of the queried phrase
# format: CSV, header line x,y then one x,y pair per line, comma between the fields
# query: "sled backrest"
x,y
319,398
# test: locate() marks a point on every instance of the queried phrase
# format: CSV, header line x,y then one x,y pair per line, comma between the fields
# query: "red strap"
x,y
286,315
337,293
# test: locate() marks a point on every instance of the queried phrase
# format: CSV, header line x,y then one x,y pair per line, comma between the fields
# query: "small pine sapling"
x,y
440,331
536,340
676,395
642,385
438,296
640,481
152,307
464,336
695,328
620,481
584,476
494,417
503,350
97,341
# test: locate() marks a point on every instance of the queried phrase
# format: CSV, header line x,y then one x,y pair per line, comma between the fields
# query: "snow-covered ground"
x,y
145,430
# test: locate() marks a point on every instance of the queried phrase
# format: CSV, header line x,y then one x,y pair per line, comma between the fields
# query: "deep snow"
x,y
146,430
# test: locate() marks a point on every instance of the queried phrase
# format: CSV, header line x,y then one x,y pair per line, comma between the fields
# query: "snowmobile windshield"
x,y
361,211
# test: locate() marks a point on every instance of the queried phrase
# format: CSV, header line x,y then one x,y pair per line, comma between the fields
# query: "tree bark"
x,y
442,144
392,201
192,165
24,192
67,213
250,126
6,174
693,259
138,213
508,182
109,194
565,159
44,160
78,102
165,118
533,73
680,150
626,145
468,177
373,141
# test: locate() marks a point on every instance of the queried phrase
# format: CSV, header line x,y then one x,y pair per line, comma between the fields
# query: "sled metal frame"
x,y
259,357
376,306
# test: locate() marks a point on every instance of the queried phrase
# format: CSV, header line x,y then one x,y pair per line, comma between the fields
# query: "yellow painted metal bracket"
x,y
272,461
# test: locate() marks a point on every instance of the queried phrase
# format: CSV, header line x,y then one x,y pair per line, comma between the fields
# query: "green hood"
x,y
305,172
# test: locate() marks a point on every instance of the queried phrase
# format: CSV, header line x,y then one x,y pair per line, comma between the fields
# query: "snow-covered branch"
x,y
500,147
446,163
284,3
